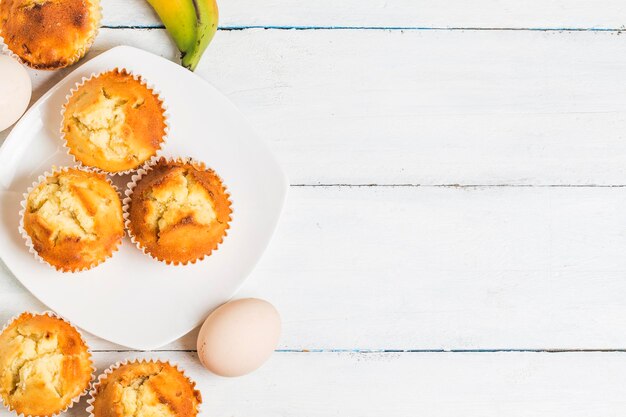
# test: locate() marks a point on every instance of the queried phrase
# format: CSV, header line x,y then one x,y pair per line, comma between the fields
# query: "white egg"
x,y
238,337
15,91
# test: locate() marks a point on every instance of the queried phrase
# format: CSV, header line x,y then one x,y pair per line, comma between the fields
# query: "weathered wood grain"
x,y
598,14
516,267
393,107
404,385
439,268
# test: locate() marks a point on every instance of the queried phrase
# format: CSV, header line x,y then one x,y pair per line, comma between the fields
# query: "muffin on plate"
x,y
72,219
49,34
45,365
178,211
144,389
114,122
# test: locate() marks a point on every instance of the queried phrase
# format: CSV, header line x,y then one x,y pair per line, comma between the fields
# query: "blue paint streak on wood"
x,y
383,28
447,350
389,351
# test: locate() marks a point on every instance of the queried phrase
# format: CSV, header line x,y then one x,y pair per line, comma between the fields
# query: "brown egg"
x,y
15,91
238,337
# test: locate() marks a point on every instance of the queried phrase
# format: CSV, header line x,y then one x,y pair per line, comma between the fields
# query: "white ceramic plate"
x,y
131,299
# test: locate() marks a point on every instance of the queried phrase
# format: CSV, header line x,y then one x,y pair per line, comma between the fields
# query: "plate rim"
x,y
13,137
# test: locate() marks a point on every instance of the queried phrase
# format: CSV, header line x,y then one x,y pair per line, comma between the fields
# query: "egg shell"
x,y
15,91
238,337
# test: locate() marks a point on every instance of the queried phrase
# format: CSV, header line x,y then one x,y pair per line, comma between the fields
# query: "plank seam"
x,y
409,185
386,28
382,351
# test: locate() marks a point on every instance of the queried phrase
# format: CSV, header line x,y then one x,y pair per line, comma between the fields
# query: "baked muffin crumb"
x,y
179,198
44,364
179,211
114,122
73,219
59,205
49,34
102,124
145,389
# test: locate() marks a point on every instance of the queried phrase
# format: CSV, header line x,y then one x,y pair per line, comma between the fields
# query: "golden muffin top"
x,y
44,365
74,219
179,211
49,34
146,389
114,122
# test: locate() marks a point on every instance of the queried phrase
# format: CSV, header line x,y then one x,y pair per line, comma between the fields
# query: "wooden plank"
x,y
439,268
394,385
393,13
389,107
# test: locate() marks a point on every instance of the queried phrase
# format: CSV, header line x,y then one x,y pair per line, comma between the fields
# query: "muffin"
x,y
178,211
144,389
73,219
45,365
114,122
49,34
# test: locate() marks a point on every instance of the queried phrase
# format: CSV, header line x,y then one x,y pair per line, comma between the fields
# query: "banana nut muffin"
x,y
145,389
74,219
44,365
179,211
114,122
49,34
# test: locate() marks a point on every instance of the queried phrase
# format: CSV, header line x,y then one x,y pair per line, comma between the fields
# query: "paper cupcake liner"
x,y
104,375
130,188
77,398
78,55
29,240
7,51
150,87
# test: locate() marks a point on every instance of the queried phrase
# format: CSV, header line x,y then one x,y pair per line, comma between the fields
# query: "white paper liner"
x,y
29,240
130,187
77,398
96,384
80,53
150,87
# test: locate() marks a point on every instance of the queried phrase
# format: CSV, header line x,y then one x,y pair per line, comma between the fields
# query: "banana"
x,y
179,18
208,16
191,24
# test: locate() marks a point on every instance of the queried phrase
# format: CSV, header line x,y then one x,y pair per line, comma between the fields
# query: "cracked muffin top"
x,y
44,365
74,219
179,211
49,34
145,389
114,122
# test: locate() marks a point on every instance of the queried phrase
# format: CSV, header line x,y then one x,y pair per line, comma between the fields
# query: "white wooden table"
x,y
455,237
